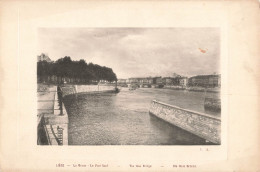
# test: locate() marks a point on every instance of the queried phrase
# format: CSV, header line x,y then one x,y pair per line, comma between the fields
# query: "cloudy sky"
x,y
137,52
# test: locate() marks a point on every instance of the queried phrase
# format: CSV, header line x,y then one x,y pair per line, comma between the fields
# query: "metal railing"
x,y
60,100
57,99
59,136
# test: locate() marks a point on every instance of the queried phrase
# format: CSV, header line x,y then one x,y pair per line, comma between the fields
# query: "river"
x,y
124,119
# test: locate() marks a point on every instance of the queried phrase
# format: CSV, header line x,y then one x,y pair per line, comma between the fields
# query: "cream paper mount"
x,y
21,25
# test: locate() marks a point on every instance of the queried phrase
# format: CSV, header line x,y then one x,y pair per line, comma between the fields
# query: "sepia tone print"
x,y
129,86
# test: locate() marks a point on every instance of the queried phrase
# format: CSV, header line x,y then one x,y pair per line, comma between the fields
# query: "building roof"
x,y
43,57
204,76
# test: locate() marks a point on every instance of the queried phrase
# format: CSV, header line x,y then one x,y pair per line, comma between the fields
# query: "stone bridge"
x,y
205,126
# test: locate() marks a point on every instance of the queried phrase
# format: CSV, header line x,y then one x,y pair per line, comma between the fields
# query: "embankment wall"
x,y
74,89
53,126
202,125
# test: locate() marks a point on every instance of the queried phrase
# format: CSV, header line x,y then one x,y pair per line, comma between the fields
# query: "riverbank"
x,y
176,87
202,125
124,119
94,116
52,117
196,89
87,89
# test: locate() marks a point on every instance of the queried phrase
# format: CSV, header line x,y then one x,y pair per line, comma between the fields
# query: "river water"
x,y
124,119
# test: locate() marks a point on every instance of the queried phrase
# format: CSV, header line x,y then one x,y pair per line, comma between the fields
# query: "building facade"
x,y
205,81
183,81
121,81
43,57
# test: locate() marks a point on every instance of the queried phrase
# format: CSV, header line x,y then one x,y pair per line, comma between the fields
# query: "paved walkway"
x,y
55,125
46,100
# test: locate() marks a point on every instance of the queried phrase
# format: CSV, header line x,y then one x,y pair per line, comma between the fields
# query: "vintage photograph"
x,y
129,86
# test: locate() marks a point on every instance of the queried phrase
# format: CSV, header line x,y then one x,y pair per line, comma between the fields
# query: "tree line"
x,y
66,68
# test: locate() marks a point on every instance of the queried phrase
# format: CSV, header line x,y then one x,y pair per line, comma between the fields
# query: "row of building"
x,y
199,80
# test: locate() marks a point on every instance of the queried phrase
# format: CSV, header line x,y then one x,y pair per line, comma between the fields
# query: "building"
x,y
176,79
219,80
43,57
133,80
204,81
214,80
142,80
200,80
157,80
150,80
183,81
121,81
168,81
145,80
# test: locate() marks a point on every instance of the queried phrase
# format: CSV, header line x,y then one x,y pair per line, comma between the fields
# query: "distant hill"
x,y
43,57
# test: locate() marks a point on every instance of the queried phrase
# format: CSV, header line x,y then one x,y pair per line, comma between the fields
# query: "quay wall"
x,y
202,125
93,88
54,123
75,89
52,126
196,89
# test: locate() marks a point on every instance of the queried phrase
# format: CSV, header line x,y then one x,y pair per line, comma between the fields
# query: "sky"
x,y
137,52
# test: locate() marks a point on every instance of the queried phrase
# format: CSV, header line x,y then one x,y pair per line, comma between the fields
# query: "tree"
x,y
65,67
